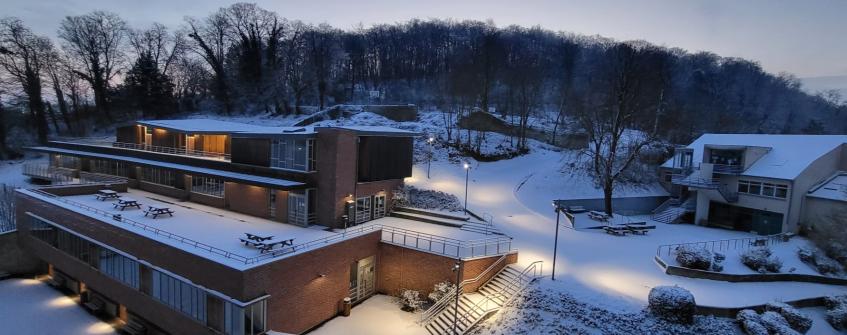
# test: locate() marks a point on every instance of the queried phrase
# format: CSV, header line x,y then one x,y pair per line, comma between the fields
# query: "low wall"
x,y
731,312
15,260
67,190
748,278
630,205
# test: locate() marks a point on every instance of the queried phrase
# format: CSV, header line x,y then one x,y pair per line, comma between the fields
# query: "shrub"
x,y
823,264
751,322
410,301
694,257
761,260
440,290
672,303
836,313
806,255
776,324
798,321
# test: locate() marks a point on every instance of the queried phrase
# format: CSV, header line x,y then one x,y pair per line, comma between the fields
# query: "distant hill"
x,y
814,85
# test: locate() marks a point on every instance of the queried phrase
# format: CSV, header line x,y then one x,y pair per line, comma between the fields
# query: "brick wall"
x,y
247,199
336,160
163,190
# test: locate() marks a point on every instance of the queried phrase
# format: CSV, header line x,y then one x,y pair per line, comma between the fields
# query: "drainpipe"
x,y
355,178
790,202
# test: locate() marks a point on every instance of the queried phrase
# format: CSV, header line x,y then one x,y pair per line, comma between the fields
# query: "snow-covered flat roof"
x,y
789,156
218,126
377,130
834,188
234,176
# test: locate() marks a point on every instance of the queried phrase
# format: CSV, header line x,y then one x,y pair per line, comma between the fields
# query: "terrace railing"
x,y
725,245
55,175
403,237
171,150
727,168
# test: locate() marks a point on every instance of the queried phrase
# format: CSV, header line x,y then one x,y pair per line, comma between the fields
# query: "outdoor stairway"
x,y
473,307
672,210
461,222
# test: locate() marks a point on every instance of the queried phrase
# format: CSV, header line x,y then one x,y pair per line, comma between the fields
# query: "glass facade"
x,y
293,154
158,176
763,189
113,168
179,295
247,320
208,186
119,267
301,207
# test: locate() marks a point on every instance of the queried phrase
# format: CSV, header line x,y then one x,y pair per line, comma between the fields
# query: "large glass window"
x,y
363,209
109,167
298,208
158,176
179,295
763,189
65,161
248,320
293,154
119,267
207,186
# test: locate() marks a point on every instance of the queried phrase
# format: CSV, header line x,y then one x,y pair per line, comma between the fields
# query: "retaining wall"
x,y
629,205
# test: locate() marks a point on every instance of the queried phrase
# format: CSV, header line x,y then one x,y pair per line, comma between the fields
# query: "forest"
x,y
242,60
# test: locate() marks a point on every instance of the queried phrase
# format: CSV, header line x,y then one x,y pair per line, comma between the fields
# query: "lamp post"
x,y
456,268
429,158
558,210
467,176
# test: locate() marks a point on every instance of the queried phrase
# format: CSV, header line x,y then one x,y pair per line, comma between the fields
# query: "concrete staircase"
x,y
673,210
456,221
474,307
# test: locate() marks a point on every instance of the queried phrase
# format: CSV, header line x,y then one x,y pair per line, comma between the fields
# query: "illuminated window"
x,y
208,186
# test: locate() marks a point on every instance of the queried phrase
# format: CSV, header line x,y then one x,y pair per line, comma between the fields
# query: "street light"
x,y
456,267
429,160
467,176
558,210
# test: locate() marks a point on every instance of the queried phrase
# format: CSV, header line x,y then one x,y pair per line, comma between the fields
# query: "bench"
x,y
156,211
94,305
599,216
640,229
257,238
616,230
576,209
265,247
102,195
251,243
123,203
134,327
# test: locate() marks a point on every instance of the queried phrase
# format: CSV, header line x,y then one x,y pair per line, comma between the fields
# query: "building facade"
x,y
321,192
751,182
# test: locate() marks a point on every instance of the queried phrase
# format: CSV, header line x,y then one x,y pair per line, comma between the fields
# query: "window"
x,y
363,209
64,161
301,207
293,154
207,186
179,295
379,206
763,189
247,320
109,167
158,176
119,267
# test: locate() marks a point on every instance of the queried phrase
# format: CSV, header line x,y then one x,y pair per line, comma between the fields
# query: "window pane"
x,y
755,188
782,192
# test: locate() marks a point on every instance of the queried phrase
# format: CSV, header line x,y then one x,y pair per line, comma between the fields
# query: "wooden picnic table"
x,y
269,246
106,194
639,228
616,230
599,216
125,202
258,238
156,211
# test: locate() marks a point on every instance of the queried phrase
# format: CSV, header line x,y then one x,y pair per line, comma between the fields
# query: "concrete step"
x,y
419,211
428,219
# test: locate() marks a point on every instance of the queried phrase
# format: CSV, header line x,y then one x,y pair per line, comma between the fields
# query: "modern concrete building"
x,y
752,182
211,227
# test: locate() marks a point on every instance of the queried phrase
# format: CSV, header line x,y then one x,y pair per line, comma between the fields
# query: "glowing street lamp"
x,y
558,210
456,268
430,140
467,167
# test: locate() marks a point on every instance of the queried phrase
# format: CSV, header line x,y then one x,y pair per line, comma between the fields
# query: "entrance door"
x,y
767,223
363,209
365,283
379,206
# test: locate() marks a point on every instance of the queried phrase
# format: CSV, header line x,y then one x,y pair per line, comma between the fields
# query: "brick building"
x,y
212,227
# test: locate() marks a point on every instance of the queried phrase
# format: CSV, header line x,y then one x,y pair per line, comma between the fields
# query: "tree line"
x,y
246,60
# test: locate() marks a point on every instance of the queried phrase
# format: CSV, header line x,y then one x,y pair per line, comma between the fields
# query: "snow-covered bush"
x,y
836,313
751,322
440,290
776,324
761,260
798,321
823,264
694,257
410,196
672,303
410,301
806,255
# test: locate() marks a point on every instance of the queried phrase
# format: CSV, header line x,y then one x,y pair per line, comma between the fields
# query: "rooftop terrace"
x,y
214,233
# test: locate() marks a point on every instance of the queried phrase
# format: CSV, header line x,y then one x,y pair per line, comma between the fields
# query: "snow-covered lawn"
x,y
28,306
379,315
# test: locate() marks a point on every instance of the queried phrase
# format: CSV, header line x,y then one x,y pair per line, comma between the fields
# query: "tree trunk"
x,y
63,105
608,187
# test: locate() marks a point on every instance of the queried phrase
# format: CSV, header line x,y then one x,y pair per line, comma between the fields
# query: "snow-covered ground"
x,y
379,315
28,306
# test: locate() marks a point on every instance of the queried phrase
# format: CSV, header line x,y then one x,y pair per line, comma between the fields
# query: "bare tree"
x,y
210,41
95,40
23,55
163,47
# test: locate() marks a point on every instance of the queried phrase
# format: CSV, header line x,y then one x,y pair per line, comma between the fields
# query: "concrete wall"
x,y
630,205
817,172
816,210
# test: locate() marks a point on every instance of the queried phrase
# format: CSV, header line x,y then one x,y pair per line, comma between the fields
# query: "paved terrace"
x,y
214,233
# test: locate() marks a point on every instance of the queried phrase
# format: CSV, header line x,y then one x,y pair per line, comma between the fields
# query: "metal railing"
x,y
171,150
55,175
100,178
481,308
725,245
727,168
403,237
428,315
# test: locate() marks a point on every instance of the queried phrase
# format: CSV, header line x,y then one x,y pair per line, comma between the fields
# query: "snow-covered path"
x,y
608,270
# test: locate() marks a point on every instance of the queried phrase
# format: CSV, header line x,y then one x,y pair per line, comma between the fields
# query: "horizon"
x,y
773,34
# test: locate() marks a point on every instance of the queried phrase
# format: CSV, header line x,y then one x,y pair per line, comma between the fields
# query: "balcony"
x,y
173,151
727,169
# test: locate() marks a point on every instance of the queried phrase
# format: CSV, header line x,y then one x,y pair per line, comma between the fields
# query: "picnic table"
x,y
618,230
269,246
257,238
576,209
639,228
156,211
599,216
125,202
265,243
106,194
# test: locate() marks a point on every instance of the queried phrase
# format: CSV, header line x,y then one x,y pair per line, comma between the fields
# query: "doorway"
x,y
363,209
362,279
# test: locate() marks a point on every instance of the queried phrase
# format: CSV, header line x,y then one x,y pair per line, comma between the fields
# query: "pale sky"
x,y
805,37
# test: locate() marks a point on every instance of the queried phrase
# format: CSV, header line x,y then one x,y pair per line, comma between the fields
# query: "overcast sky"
x,y
804,37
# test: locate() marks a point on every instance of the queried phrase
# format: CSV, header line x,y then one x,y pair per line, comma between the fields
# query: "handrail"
x,y
171,150
442,303
726,244
519,285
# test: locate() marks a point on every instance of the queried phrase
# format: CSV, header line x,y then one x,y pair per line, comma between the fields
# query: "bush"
x,y
440,290
672,303
798,321
806,255
411,196
694,257
410,301
836,313
823,264
776,324
751,322
761,260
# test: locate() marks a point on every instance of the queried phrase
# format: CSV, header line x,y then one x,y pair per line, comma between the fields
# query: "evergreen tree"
x,y
149,89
